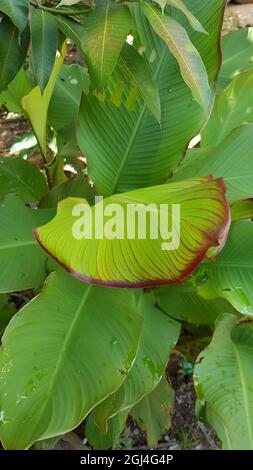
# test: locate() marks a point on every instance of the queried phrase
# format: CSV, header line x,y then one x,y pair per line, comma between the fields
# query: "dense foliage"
x,y
103,315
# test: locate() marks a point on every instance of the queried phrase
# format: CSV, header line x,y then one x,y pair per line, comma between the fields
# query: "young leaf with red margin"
x,y
204,221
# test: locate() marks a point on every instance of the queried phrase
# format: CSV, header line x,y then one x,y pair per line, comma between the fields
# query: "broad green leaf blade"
x,y
231,109
22,264
159,335
242,210
223,381
13,51
185,304
136,70
7,310
195,24
17,10
20,86
36,104
128,149
44,37
189,60
125,257
21,177
100,440
153,413
72,81
104,33
78,186
237,52
236,296
231,160
69,363
232,272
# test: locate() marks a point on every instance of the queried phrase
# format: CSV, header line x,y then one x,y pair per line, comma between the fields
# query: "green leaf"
x,y
162,4
20,86
190,62
72,81
185,304
72,29
64,372
44,37
7,310
67,2
125,257
237,52
104,33
222,161
195,24
22,263
128,149
135,70
159,335
231,275
242,209
78,186
232,108
36,104
13,49
100,440
17,10
223,381
153,413
21,177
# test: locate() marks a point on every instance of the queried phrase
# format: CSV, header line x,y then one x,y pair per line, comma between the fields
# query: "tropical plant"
x,y
127,85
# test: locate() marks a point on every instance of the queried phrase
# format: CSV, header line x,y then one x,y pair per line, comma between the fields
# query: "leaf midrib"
x,y
16,244
43,48
232,57
138,124
103,43
175,45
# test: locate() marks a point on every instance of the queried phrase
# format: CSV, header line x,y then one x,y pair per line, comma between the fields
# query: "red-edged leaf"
x,y
204,223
